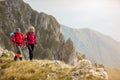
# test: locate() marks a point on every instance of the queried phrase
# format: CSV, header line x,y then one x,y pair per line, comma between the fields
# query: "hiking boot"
x,y
15,58
20,58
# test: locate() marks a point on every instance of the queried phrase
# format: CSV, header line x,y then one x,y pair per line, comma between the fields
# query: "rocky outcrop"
x,y
51,43
6,53
85,69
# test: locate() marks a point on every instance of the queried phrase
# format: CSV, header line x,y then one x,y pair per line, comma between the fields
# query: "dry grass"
x,y
114,74
35,70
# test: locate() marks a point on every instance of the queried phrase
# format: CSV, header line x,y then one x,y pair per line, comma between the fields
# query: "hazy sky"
x,y
100,15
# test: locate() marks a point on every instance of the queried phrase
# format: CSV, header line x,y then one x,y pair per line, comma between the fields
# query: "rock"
x,y
6,53
1,53
85,69
84,64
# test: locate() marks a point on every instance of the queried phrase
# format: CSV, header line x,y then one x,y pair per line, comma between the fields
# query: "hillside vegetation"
x,y
35,70
47,69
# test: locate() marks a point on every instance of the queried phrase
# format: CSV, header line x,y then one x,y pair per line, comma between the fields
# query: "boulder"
x,y
6,53
84,69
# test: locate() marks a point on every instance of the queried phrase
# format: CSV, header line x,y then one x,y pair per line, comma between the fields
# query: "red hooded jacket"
x,y
31,38
18,39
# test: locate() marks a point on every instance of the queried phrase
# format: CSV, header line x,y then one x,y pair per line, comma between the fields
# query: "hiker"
x,y
31,41
18,38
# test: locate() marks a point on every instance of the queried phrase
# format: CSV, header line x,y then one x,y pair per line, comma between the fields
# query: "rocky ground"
x,y
47,70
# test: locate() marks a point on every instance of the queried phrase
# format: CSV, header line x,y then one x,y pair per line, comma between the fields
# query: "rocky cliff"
x,y
51,43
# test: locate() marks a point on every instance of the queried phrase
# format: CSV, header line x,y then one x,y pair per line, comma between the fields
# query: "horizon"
x,y
100,15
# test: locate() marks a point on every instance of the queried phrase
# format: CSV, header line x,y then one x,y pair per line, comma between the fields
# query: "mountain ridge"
x,y
95,45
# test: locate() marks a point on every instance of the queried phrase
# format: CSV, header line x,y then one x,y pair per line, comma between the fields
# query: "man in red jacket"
x,y
18,38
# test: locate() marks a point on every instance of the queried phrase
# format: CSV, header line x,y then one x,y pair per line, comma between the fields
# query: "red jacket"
x,y
18,39
31,38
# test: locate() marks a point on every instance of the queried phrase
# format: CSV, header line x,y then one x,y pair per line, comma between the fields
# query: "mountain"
x,y
51,50
96,46
51,43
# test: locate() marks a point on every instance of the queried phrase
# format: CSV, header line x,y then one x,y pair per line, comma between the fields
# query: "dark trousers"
x,y
31,48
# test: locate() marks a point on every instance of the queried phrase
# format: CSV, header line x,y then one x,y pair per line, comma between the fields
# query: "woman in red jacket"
x,y
18,38
31,41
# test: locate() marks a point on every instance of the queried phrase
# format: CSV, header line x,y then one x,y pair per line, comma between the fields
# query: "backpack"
x,y
11,34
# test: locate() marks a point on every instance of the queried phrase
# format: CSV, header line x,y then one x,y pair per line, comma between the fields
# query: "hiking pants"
x,y
31,48
19,53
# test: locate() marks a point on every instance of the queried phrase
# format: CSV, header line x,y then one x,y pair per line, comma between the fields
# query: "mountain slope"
x,y
114,74
47,69
51,43
96,46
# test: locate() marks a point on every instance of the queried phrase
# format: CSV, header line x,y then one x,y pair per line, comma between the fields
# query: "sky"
x,y
100,15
